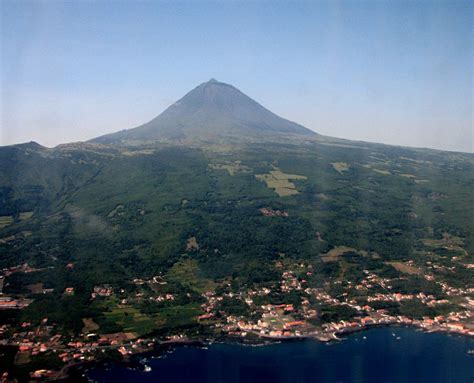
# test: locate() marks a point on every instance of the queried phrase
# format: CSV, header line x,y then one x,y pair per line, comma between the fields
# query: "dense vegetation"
x,y
118,213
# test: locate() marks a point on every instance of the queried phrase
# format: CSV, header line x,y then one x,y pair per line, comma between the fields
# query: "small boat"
x,y
147,368
398,338
470,352
364,337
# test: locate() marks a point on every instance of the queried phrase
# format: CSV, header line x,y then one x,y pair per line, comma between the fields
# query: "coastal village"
x,y
308,217
266,322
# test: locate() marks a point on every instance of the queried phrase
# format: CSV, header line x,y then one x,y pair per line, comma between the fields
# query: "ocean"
x,y
390,354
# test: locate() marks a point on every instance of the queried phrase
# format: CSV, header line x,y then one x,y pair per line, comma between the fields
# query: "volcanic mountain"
x,y
218,194
212,111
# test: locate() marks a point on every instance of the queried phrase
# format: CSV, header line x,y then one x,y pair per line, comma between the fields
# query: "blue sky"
x,y
397,72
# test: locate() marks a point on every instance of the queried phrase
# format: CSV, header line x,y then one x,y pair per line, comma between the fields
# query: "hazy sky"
x,y
397,72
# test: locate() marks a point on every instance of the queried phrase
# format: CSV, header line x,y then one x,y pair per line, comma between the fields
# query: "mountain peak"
x,y
212,110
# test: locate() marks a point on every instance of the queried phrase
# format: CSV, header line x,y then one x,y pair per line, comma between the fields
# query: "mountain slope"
x,y
213,110
272,218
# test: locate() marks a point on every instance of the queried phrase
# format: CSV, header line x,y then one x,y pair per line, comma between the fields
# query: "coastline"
x,y
76,372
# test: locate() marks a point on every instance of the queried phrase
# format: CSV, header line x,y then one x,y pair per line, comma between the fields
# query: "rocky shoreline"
x,y
77,372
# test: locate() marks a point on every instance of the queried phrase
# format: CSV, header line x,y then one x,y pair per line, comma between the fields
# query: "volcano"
x,y
212,111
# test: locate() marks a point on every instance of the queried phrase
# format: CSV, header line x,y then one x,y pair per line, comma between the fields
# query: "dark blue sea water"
x,y
381,357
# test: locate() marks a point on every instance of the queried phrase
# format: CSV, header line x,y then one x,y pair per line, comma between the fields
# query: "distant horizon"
x,y
390,73
213,79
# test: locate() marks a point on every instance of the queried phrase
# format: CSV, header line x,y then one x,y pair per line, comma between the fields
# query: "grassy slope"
x,y
117,217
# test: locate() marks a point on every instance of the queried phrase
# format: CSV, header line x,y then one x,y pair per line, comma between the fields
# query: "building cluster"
x,y
268,212
44,338
291,319
13,301
8,303
102,291
163,298
23,268
290,282
210,304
